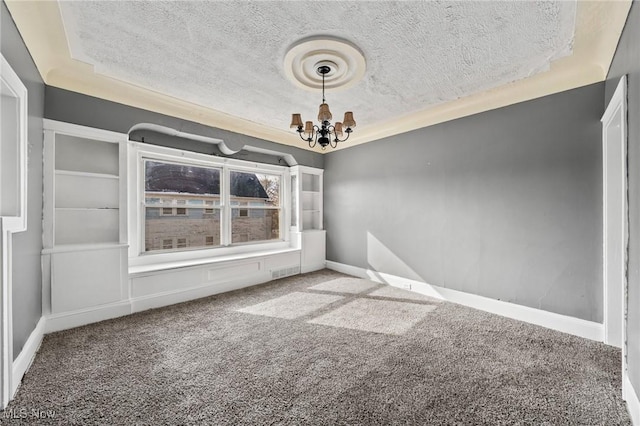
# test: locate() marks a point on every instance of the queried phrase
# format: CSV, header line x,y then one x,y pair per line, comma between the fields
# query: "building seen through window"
x,y
183,208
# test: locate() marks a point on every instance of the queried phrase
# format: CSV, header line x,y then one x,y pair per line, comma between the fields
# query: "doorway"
x,y
614,170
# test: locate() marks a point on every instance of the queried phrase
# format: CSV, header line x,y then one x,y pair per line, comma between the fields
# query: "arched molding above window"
x,y
165,136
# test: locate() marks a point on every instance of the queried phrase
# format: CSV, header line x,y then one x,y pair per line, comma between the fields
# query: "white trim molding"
x,y
566,324
6,326
66,320
13,209
14,150
23,361
631,398
614,177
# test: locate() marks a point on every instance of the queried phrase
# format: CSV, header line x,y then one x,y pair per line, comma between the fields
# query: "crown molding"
x,y
599,25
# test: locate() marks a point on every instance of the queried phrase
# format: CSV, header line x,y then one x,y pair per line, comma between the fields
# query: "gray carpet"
x,y
376,356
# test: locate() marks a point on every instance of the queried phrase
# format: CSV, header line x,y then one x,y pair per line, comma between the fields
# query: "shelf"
x,y
87,226
82,190
310,183
85,208
86,174
310,219
307,198
65,248
86,155
311,200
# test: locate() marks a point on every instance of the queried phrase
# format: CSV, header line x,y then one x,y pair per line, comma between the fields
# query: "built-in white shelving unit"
x,y
306,216
311,201
87,190
85,218
306,184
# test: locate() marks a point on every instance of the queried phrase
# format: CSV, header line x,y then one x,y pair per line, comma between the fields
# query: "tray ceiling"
x,y
221,63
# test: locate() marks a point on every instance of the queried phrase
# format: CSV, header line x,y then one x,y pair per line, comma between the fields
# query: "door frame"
x,y
617,104
14,150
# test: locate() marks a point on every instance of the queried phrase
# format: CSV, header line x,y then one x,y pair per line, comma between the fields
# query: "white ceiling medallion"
x,y
345,60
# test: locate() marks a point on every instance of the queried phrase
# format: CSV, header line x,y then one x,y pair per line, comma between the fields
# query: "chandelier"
x,y
325,133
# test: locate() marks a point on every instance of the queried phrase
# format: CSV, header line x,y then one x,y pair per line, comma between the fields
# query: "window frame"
x,y
139,152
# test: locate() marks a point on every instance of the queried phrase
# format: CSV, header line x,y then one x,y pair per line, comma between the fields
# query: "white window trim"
x,y
137,152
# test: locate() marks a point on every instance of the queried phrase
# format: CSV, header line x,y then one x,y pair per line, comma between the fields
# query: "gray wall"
x,y
76,108
27,299
505,204
627,61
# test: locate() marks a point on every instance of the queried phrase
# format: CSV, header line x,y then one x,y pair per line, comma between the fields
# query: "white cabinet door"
x,y
313,251
84,279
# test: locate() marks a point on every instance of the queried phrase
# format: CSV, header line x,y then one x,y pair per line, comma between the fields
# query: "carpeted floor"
x,y
319,349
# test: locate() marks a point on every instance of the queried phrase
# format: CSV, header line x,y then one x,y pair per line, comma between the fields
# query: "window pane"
x,y
176,196
161,177
259,225
197,228
254,189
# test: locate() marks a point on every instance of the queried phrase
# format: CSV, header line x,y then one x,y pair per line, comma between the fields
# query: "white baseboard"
x,y
630,396
66,320
566,324
313,267
159,300
23,361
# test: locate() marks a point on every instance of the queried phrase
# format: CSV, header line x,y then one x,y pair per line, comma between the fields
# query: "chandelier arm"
x,y
316,131
312,142
302,137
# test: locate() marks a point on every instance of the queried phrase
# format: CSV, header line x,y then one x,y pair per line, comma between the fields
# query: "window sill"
x,y
187,263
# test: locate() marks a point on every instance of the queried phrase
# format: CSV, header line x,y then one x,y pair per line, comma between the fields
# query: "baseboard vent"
x,y
285,272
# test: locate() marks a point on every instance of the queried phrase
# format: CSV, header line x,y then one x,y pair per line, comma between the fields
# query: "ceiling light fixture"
x,y
325,133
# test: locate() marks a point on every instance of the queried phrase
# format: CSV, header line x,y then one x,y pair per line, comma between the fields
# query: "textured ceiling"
x,y
229,55
221,62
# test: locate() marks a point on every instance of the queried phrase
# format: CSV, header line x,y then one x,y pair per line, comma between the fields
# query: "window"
x,y
191,201
255,201
190,186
